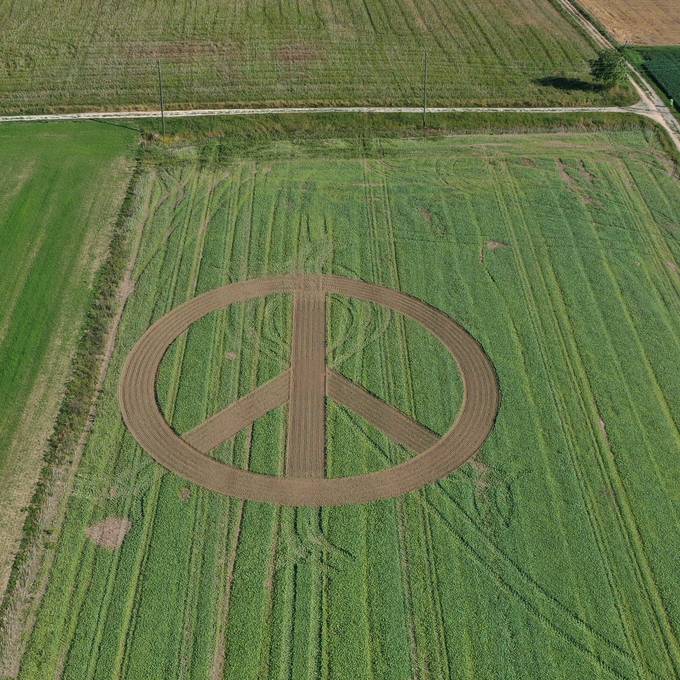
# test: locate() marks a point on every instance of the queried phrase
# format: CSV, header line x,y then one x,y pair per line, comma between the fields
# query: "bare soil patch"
x,y
638,22
110,532
491,246
297,54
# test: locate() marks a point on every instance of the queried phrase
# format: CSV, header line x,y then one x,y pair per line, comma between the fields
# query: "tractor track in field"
x,y
305,484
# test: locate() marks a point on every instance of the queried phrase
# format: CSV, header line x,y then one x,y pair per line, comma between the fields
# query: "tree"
x,y
609,68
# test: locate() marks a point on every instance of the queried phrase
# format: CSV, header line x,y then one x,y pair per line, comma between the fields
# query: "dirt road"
x,y
650,106
196,113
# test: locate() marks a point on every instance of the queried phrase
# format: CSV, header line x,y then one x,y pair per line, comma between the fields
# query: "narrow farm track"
x,y
650,106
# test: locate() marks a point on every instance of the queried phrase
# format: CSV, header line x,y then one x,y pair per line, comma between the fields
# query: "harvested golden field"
x,y
639,22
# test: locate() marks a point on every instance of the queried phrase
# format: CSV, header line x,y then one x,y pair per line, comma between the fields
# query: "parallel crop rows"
x,y
551,555
663,64
309,53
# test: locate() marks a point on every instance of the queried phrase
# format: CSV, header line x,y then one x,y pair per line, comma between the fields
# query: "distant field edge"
x,y
69,432
632,23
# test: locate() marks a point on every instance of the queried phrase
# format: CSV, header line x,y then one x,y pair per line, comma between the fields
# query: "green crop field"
x,y
56,56
663,64
552,555
60,190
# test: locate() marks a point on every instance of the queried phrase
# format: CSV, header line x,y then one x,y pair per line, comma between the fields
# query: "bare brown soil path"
x,y
396,425
305,451
186,455
227,423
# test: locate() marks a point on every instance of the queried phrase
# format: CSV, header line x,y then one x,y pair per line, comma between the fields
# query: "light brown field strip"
x,y
397,426
305,451
231,420
436,458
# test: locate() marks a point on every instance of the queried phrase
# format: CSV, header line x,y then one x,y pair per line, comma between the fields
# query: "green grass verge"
x,y
552,557
239,134
56,58
59,195
101,303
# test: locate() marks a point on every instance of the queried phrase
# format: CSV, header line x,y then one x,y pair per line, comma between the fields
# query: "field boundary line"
x,y
649,106
135,114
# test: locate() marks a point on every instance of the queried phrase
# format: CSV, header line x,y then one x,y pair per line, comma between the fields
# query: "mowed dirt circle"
x,y
137,394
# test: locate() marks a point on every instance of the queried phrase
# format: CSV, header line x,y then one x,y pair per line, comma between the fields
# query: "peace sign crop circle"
x,y
304,387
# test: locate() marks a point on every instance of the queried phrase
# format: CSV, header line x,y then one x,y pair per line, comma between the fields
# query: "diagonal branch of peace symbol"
x,y
304,387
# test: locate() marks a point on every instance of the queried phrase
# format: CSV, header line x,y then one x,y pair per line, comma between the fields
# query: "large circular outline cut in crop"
x,y
137,394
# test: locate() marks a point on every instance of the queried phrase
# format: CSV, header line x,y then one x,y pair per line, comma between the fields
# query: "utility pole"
x,y
424,85
160,90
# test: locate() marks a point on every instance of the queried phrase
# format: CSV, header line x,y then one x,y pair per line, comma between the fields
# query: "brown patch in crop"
x,y
185,494
585,173
496,245
483,472
231,356
672,266
528,162
491,246
426,215
110,532
639,22
297,54
175,51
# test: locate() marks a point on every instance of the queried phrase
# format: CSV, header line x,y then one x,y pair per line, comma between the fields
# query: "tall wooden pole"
x,y
160,90
424,85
